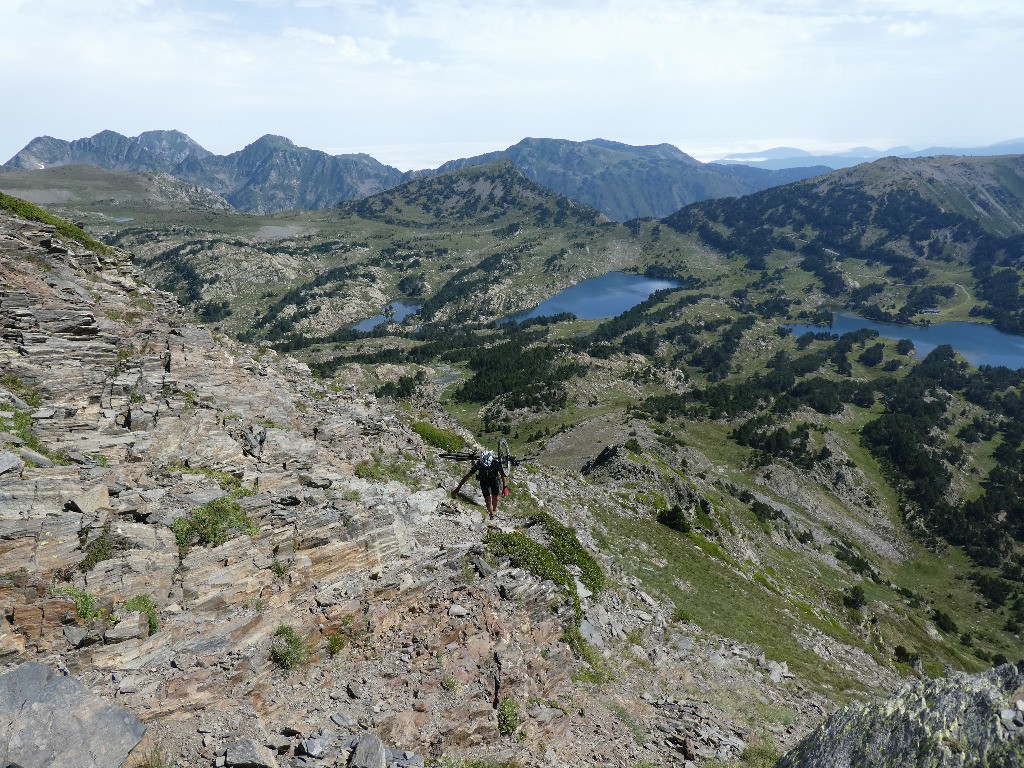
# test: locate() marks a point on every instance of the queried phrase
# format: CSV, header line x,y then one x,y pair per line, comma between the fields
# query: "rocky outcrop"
x,y
48,720
961,720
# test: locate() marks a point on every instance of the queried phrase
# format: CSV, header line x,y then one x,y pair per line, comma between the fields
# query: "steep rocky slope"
x,y
171,501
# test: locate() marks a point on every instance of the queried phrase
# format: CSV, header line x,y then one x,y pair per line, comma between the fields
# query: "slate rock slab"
x,y
952,722
247,753
51,721
368,753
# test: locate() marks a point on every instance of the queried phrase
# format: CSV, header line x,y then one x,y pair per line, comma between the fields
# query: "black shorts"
x,y
490,486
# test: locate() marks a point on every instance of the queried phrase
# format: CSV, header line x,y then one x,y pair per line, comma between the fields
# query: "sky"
x,y
417,82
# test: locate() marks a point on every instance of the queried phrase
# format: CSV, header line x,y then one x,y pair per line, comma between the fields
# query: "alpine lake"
x,y
979,344
599,297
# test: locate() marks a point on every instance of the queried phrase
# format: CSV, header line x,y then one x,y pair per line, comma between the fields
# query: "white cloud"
x,y
309,35
441,74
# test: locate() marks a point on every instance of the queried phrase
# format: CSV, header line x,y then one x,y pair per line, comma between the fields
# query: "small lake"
x,y
606,296
399,310
978,343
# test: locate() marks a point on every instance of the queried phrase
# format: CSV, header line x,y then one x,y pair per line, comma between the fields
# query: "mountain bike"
x,y
505,458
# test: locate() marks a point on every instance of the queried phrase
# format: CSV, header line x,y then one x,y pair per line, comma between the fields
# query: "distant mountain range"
x,y
273,174
780,158
626,182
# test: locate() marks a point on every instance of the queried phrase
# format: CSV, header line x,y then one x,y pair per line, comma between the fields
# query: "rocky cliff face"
x,y
271,174
263,568
961,720
152,151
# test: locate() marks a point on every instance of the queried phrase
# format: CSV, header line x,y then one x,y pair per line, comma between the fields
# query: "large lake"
x,y
606,296
978,343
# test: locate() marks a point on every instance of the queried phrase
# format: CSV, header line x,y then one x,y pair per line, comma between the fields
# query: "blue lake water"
x,y
599,297
401,309
980,344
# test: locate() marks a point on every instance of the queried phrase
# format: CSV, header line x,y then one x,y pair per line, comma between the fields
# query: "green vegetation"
x,y
86,604
30,395
102,548
27,210
144,604
154,758
523,552
257,604
19,424
336,642
568,551
227,481
437,437
509,716
629,721
210,524
288,650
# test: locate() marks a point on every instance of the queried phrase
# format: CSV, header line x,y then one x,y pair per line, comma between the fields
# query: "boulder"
x,y
248,753
51,721
368,752
935,723
91,500
9,462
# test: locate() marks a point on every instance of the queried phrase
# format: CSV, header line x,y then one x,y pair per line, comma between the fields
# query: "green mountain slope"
x,y
105,196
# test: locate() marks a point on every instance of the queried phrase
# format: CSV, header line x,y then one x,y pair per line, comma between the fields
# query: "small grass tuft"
x,y
437,437
210,524
288,649
144,604
509,717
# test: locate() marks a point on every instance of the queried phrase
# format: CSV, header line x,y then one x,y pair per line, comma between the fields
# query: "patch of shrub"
x,y
944,621
437,437
102,548
509,717
675,518
85,602
566,547
144,604
27,210
904,656
288,650
854,597
210,524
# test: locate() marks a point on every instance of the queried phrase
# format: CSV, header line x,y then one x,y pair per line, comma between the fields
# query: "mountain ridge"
x,y
273,174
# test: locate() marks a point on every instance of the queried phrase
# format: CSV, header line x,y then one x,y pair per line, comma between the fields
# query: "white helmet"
x,y
486,459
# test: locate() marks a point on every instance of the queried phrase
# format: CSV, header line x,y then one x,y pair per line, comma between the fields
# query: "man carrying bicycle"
x,y
488,472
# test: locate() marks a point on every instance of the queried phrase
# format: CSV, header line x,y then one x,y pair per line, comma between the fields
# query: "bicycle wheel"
x,y
504,457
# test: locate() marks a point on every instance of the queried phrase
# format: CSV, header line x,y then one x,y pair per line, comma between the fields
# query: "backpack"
x,y
486,466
